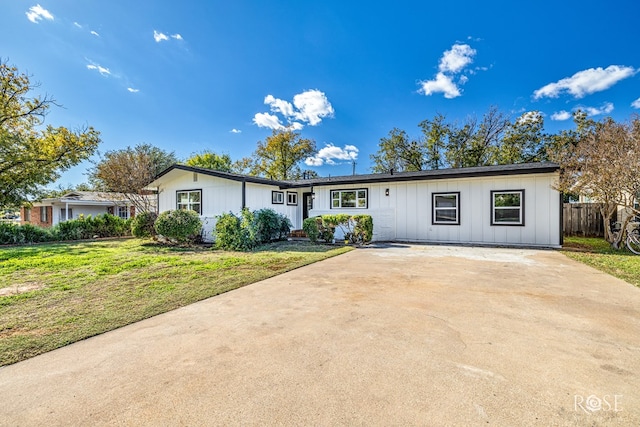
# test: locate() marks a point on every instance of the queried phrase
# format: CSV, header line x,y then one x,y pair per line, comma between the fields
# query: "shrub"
x,y
179,226
143,225
310,228
229,233
363,228
250,229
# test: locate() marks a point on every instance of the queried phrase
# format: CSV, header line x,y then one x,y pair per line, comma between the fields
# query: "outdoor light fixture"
x,y
386,192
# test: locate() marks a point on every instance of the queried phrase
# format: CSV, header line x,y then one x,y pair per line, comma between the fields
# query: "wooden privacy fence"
x,y
582,219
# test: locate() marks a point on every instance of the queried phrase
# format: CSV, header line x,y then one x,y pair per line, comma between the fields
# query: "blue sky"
x,y
219,75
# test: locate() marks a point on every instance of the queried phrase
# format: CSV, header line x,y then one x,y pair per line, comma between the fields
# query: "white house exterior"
x,y
514,205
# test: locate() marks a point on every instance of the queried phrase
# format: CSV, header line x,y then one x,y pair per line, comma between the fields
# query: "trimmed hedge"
x,y
143,225
74,229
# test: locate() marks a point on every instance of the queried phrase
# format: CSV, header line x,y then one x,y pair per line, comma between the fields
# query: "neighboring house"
x,y
50,212
513,205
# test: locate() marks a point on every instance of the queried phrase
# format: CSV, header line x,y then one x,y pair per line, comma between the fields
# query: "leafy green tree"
x,y
129,171
210,160
436,133
399,153
31,157
524,140
279,156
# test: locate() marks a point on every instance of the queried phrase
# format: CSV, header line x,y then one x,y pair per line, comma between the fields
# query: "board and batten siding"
x,y
405,215
221,195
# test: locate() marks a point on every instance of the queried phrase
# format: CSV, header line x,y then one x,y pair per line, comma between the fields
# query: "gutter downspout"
x,y
66,211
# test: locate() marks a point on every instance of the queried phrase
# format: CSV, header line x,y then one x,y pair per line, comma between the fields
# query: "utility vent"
x,y
195,177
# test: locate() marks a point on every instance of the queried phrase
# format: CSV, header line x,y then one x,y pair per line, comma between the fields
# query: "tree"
x,y
31,157
279,156
524,140
477,143
601,160
435,133
399,153
210,160
129,171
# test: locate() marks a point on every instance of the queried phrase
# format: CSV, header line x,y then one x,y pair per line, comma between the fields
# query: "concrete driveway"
x,y
396,335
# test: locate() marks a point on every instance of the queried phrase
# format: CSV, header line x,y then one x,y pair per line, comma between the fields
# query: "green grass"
x,y
54,294
598,254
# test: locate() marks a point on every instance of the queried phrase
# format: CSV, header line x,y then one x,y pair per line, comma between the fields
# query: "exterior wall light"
x,y
386,192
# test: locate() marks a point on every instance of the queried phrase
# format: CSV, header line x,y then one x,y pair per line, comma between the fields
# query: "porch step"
x,y
297,234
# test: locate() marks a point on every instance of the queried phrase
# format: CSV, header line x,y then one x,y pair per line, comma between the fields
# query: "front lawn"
x,y
598,254
54,294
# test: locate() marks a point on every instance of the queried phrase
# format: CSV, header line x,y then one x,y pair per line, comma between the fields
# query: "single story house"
x,y
49,212
513,205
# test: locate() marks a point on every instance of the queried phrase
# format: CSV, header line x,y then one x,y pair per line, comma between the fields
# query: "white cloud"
x,y
586,82
453,61
102,70
95,33
312,106
266,120
279,106
606,108
443,84
176,36
561,115
132,90
234,130
158,37
636,103
330,153
37,13
308,107
77,25
456,59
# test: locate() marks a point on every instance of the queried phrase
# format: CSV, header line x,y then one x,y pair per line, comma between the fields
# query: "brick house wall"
x,y
35,215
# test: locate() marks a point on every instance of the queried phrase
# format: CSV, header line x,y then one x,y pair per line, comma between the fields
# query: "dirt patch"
x,y
20,289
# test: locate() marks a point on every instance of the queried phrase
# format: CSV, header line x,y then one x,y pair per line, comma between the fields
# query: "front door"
x,y
307,204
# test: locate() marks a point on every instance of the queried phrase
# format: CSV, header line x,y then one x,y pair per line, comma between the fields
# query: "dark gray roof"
x,y
500,170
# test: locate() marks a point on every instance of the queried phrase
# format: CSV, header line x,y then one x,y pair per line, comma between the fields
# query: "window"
x,y
292,199
43,214
63,214
277,197
446,208
507,207
123,212
27,214
341,199
190,200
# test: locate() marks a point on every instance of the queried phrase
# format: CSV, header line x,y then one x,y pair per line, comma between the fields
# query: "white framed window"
x,y
349,199
277,197
189,200
507,207
123,212
446,208
292,199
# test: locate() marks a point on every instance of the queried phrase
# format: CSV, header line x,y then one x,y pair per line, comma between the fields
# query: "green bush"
x,y
356,228
229,233
143,225
310,228
250,229
363,228
179,226
13,234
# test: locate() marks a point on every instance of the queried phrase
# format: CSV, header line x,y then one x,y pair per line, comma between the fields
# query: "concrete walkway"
x,y
397,335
